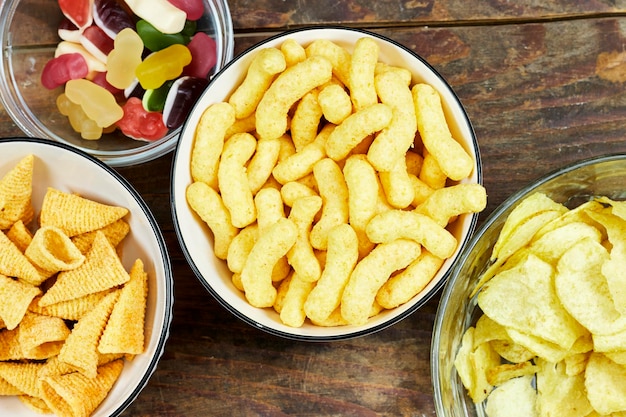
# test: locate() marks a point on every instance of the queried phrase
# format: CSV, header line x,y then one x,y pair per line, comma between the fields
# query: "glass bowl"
x,y
28,37
571,185
197,241
72,171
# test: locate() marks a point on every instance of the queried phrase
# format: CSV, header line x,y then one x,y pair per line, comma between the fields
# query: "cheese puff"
x,y
301,163
209,141
431,173
399,224
342,256
454,161
362,68
306,120
393,142
447,203
262,70
363,197
290,86
397,185
293,52
371,273
293,190
334,193
208,204
233,179
256,276
262,163
338,56
301,256
405,285
240,247
355,128
335,103
292,309
270,209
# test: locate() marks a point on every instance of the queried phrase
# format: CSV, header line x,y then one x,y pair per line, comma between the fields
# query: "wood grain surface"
x,y
543,84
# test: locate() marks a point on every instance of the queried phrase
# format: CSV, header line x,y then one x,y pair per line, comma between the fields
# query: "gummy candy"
x,y
111,17
154,100
79,121
124,58
94,64
180,99
166,64
163,15
155,40
97,42
138,123
97,102
63,68
68,31
203,55
193,8
78,11
100,78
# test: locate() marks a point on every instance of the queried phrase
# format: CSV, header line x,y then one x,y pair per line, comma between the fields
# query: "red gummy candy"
x,y
140,124
100,78
203,55
97,42
63,68
193,8
78,11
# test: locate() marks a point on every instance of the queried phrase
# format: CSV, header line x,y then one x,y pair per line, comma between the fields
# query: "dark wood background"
x,y
543,84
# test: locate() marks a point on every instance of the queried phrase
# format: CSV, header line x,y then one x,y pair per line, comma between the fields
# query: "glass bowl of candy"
x,y
318,291
557,239
115,79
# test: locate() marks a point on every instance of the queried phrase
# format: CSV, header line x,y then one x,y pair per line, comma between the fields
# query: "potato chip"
x,y
20,294
80,348
560,394
124,332
605,383
499,374
538,312
584,291
514,398
75,214
101,270
76,395
15,193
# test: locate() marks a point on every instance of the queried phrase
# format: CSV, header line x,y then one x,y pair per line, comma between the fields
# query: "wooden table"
x,y
543,83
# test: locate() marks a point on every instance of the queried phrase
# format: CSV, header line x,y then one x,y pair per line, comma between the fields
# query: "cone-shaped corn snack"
x,y
15,193
20,294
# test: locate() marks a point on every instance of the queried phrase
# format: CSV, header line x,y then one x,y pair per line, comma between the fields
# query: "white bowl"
x,y
67,169
196,240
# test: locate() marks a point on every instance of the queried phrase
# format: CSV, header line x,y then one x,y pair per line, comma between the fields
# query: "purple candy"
x,y
111,17
181,98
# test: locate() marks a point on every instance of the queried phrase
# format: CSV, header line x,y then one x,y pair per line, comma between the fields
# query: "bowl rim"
x,y
164,330
21,115
495,215
355,332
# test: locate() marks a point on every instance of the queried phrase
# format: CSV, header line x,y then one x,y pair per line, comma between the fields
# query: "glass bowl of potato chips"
x,y
86,284
532,320
325,183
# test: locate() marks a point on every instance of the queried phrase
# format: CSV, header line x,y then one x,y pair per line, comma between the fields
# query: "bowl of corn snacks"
x,y
325,183
532,320
85,282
